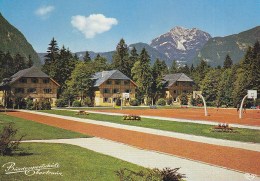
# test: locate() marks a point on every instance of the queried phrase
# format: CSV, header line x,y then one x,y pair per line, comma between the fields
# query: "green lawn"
x,y
75,163
34,130
244,135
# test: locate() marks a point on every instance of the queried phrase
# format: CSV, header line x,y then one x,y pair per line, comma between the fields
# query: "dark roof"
x,y
29,72
179,77
101,77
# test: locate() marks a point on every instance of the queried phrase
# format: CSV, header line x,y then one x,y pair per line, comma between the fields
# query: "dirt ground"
x,y
233,158
251,117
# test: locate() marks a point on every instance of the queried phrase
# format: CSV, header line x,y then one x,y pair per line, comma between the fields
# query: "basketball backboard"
x,y
126,95
195,94
252,94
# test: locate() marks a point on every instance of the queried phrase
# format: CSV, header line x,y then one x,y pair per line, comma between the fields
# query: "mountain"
x,y
109,55
216,49
181,44
13,40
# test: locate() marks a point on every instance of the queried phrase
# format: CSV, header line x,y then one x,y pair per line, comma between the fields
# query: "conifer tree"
x,y
100,64
30,62
86,57
174,67
51,58
228,62
121,59
133,58
142,75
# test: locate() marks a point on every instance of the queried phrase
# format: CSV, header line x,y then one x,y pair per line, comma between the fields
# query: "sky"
x,y
98,25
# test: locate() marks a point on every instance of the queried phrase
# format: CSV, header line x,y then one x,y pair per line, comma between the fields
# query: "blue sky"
x,y
98,25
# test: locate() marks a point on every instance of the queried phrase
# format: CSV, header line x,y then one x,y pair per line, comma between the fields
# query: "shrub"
x,y
183,99
7,143
118,102
134,102
60,103
76,103
165,174
161,102
44,105
29,104
169,101
87,101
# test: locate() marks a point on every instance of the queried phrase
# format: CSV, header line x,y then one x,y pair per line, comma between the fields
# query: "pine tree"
x,y
158,70
228,62
174,67
30,62
133,58
99,64
121,60
87,58
142,75
19,63
51,58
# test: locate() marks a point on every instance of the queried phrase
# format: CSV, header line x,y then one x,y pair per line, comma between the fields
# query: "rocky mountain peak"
x,y
181,44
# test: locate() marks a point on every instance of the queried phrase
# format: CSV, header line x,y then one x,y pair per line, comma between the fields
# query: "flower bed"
x,y
223,128
131,117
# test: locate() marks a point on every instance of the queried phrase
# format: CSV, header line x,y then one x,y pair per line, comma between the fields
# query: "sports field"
x,y
251,117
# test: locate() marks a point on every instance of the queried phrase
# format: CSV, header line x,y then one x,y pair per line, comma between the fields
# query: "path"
x,y
194,171
233,158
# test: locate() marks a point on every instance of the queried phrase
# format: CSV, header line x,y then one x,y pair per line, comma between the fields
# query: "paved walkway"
x,y
170,119
228,157
194,171
200,139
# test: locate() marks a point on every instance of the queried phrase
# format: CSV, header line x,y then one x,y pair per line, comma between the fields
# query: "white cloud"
x,y
44,11
93,24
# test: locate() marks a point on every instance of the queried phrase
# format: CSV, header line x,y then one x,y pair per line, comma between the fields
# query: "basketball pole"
x,y
205,106
241,107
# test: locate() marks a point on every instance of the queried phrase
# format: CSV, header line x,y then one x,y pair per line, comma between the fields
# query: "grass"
x,y
243,135
75,163
34,130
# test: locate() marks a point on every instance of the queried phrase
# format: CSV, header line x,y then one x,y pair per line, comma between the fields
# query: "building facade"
x,y
29,83
177,84
109,86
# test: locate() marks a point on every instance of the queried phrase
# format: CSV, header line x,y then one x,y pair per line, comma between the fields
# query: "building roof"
x,y
29,72
101,77
178,77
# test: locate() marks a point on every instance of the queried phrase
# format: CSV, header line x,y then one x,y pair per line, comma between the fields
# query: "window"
x,y
34,80
31,90
23,80
117,82
127,82
19,90
46,81
115,91
127,90
191,84
106,91
176,83
109,82
47,91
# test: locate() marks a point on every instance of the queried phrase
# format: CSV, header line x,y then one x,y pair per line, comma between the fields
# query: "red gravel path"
x,y
238,159
251,117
